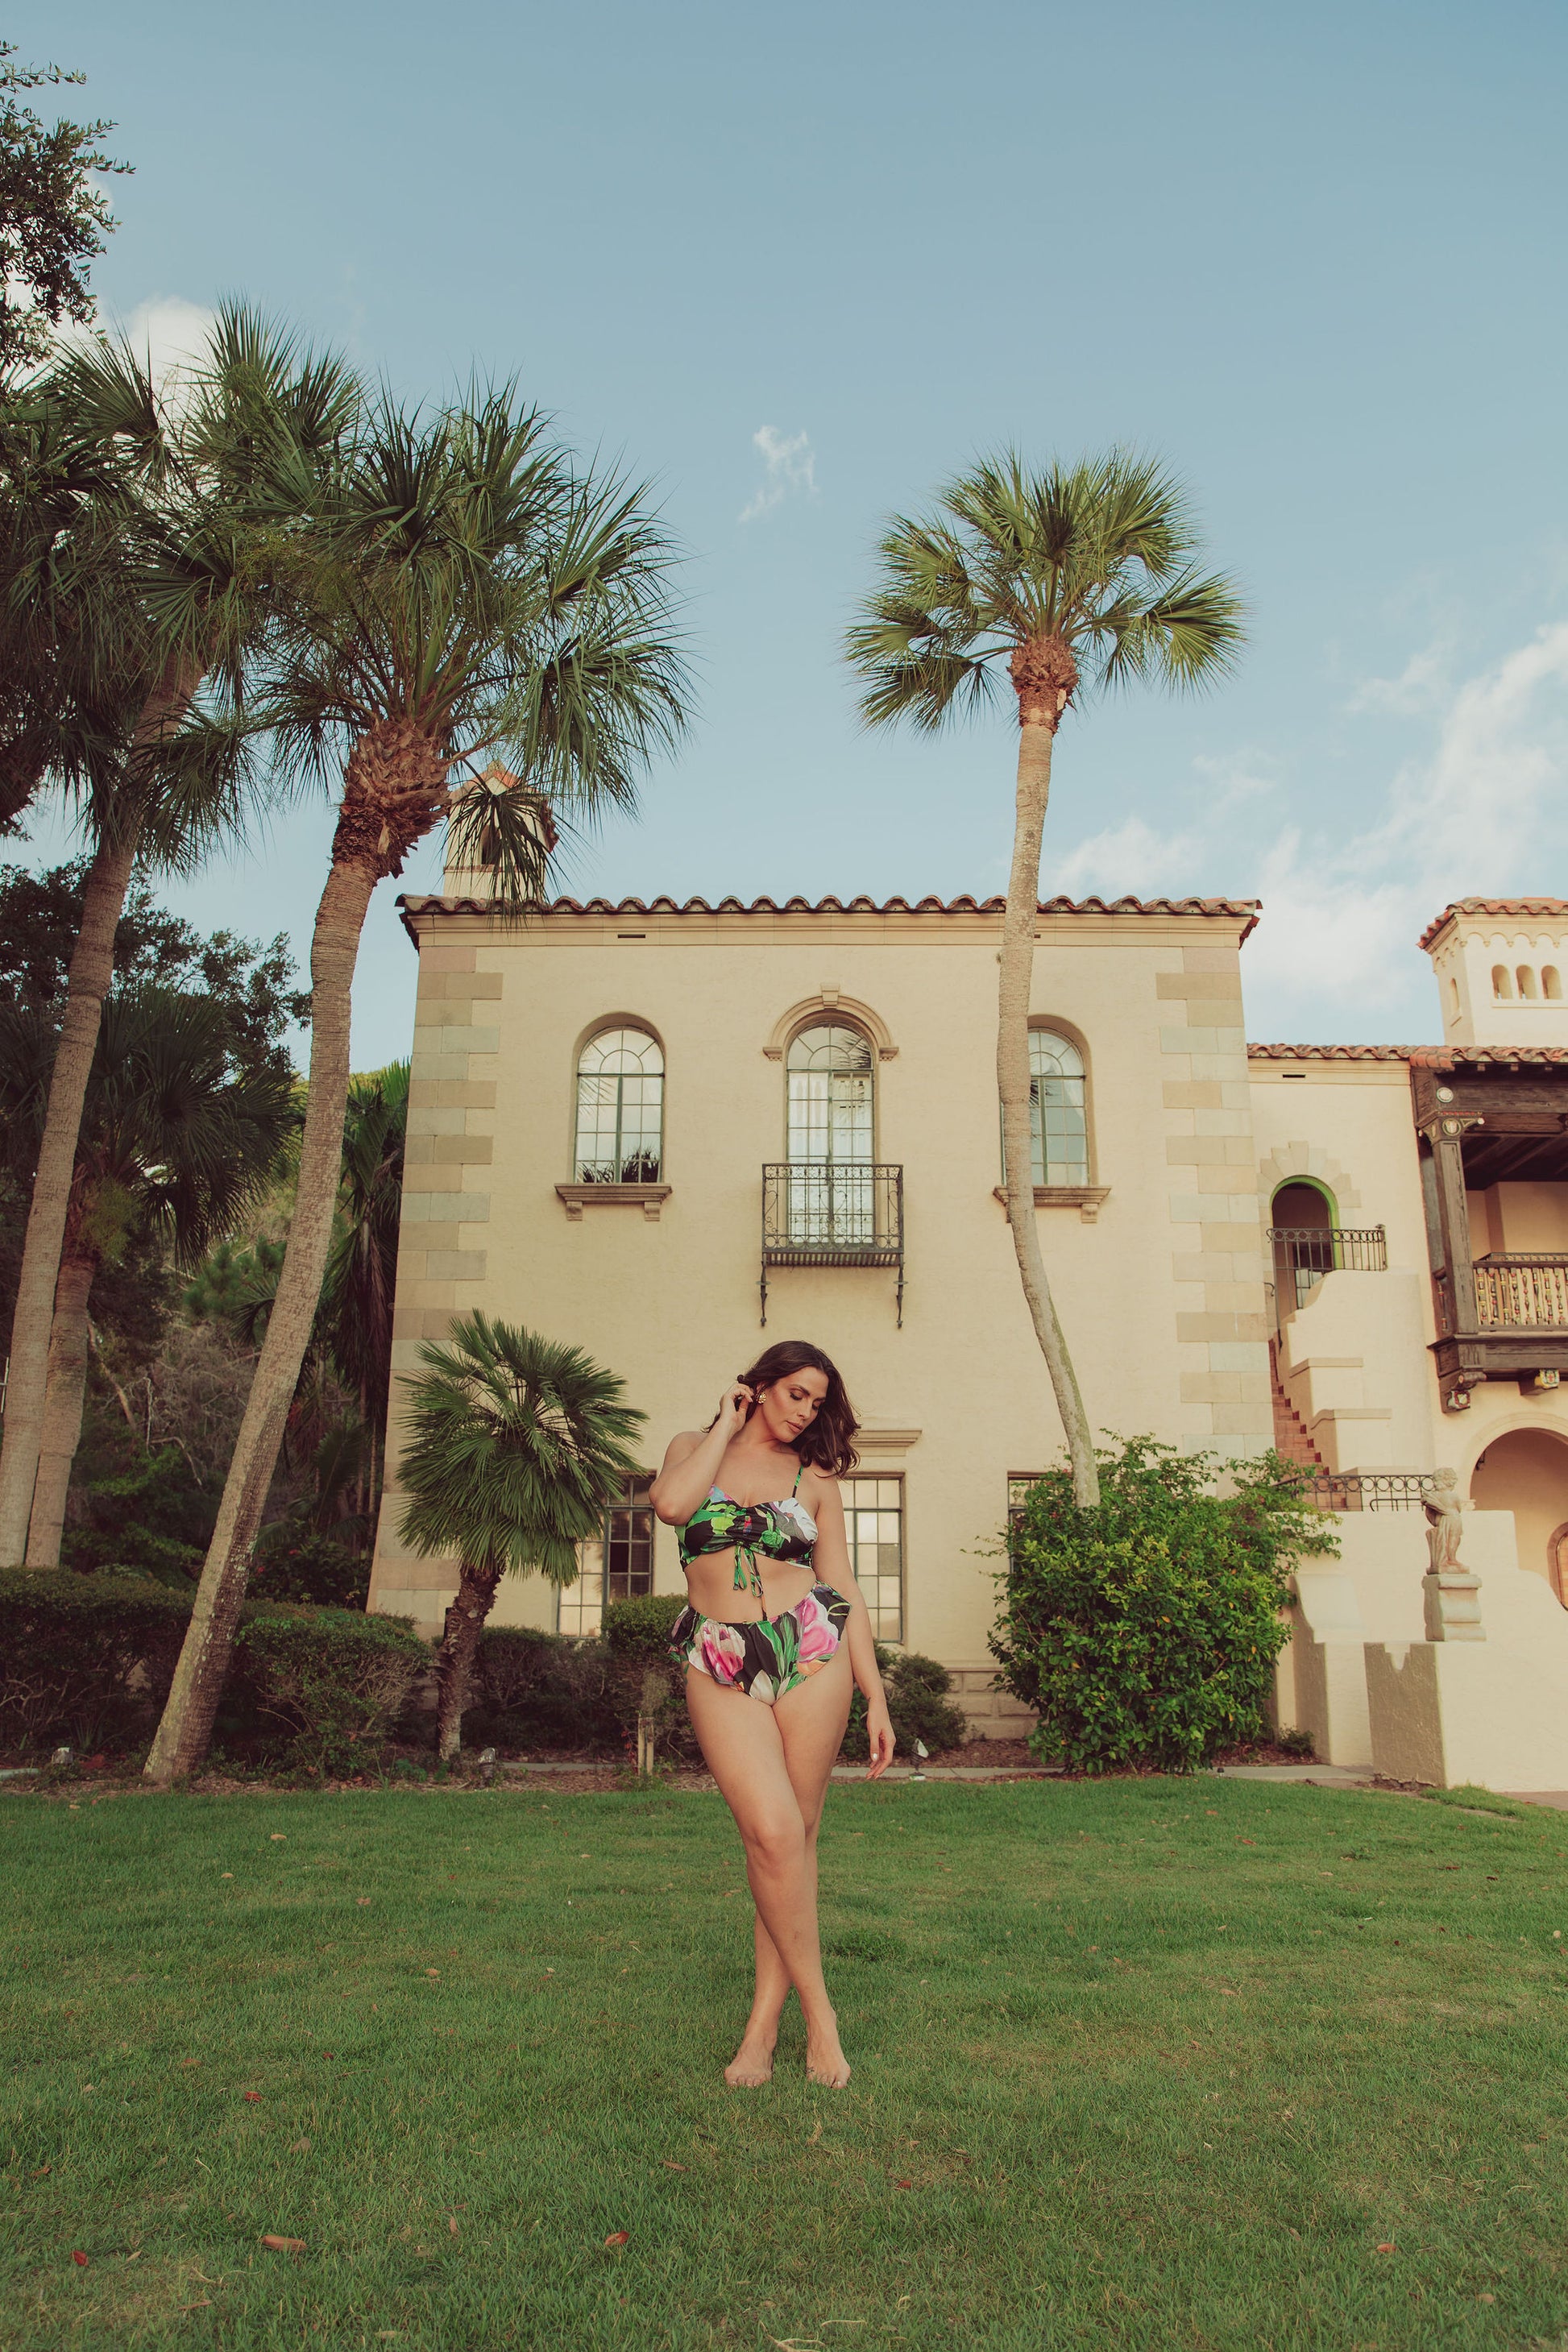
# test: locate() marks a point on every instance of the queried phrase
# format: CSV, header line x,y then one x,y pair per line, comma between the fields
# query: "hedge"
x,y
331,1680
539,1690
85,1659
917,1703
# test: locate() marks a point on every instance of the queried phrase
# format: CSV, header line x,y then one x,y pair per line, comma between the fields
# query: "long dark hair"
x,y
828,1440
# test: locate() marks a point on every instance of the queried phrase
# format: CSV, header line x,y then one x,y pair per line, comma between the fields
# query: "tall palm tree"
x,y
172,1139
467,600
1077,577
516,1447
187,499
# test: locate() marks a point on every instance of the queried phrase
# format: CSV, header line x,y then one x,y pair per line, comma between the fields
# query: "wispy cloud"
x,y
1485,811
789,464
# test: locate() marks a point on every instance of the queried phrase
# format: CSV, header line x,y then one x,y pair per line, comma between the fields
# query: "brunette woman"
x,y
774,1639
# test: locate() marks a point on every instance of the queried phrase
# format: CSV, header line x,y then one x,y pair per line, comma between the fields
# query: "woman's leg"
x,y
744,1748
811,1736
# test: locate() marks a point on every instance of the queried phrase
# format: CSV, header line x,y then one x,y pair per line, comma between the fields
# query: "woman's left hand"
x,y
879,1732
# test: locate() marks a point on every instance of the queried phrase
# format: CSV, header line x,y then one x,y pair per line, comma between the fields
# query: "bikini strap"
x,y
798,1476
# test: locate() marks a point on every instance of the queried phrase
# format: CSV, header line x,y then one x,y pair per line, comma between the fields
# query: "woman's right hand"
x,y
733,1406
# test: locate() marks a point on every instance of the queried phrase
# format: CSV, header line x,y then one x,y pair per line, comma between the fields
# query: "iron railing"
x,y
1363,1490
1312,1251
833,1213
1522,1294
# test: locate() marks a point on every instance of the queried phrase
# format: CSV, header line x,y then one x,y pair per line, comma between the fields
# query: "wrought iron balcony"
x,y
833,1213
1312,1251
1363,1490
1522,1294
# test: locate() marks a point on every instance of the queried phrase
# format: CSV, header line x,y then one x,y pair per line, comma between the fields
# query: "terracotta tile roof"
x,y
1509,1057
410,905
1332,1053
1557,907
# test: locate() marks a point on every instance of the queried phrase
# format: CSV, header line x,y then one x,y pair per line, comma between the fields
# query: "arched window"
x,y
832,1104
1551,982
1059,1110
1526,979
620,1108
1501,984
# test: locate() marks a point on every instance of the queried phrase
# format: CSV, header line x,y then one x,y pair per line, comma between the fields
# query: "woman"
x,y
775,1636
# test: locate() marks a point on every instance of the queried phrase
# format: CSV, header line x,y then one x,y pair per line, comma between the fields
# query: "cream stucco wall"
x,y
1161,1295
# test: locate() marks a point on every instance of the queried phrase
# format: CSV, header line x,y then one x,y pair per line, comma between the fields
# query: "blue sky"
x,y
795,265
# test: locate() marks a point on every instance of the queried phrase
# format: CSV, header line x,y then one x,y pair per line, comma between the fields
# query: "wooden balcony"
x,y
1522,1294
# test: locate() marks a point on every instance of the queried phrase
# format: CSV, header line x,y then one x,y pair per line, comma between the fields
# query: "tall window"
x,y
620,1108
831,1131
1058,1115
874,1523
615,1565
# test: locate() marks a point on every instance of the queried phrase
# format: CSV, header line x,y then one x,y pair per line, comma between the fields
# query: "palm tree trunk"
x,y
186,1727
91,971
454,1658
1036,740
63,1398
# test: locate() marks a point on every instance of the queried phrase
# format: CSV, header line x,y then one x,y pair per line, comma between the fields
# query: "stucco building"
x,y
644,1127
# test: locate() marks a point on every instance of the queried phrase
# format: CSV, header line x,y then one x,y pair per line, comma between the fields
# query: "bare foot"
x,y
825,2061
752,2063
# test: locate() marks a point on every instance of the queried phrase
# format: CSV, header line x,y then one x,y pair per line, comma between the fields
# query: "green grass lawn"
x,y
1160,2063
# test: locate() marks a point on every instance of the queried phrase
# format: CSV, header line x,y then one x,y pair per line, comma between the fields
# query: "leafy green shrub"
x,y
86,1659
316,1568
540,1690
1144,1631
637,1638
917,1690
329,1682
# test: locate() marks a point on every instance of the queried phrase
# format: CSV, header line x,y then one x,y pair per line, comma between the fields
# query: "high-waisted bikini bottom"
x,y
770,1657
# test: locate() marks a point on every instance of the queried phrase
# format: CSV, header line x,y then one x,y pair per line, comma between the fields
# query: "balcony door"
x,y
831,1138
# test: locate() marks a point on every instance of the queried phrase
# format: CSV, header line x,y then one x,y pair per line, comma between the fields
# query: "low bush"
x,y
640,1669
539,1690
327,1684
85,1659
317,1568
917,1690
1144,1631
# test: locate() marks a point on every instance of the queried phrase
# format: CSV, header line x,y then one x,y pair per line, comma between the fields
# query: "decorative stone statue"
x,y
1448,1590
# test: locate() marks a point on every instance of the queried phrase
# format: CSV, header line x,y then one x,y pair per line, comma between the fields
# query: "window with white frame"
x,y
620,1108
1058,1109
874,1524
614,1565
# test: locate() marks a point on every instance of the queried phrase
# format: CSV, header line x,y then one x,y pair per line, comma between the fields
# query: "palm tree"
x,y
465,599
517,1446
171,1139
362,1267
163,500
1077,577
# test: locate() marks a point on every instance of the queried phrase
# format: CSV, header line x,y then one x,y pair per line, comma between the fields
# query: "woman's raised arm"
x,y
691,1468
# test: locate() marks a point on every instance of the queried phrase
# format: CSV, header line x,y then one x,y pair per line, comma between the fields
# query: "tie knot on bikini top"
x,y
783,1531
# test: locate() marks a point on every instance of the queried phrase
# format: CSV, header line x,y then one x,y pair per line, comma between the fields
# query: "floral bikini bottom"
x,y
770,1657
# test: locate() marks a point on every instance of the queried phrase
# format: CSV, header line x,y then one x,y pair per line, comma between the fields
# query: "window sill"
x,y
1085,1198
649,1198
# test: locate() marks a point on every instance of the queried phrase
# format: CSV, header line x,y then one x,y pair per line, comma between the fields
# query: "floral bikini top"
x,y
783,1531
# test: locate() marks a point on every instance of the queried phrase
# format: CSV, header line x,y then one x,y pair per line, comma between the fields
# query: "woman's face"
x,y
790,1406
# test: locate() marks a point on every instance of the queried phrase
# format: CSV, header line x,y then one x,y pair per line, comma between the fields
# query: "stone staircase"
x,y
1290,1437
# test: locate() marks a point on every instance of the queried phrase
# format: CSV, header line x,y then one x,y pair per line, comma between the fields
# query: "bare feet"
x,y
752,2063
825,2061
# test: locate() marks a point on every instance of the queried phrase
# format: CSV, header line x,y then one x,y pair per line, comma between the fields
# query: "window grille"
x,y
1059,1110
874,1524
620,1109
831,1127
614,1565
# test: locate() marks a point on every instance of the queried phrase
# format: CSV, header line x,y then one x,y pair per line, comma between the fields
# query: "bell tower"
x,y
1502,967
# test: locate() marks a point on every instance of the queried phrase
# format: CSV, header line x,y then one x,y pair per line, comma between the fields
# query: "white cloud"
x,y
168,331
1418,687
1486,811
788,463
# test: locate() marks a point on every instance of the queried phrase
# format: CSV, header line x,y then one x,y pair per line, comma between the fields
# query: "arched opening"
x,y
1526,979
1453,999
1501,984
620,1108
1058,1109
1551,982
1303,1216
1526,1472
830,1134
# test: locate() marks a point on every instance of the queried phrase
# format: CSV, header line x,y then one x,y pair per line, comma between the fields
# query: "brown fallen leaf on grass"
x,y
283,2245
671,2165
77,2257
254,2096
903,2184
617,2237
452,2223
1387,2246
